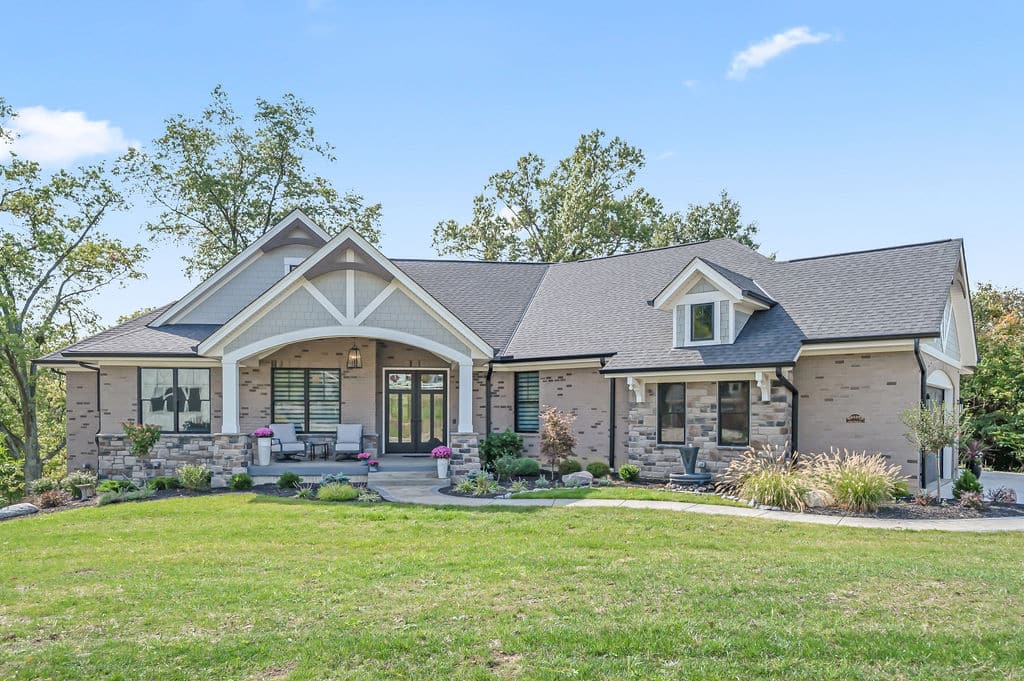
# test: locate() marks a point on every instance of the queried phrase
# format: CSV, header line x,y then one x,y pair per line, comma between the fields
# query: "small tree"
x,y
932,428
556,437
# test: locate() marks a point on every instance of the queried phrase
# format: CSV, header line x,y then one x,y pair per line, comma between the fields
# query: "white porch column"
x,y
229,389
465,397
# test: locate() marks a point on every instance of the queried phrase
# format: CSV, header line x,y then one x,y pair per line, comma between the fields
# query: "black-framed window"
x,y
177,400
309,398
734,413
527,401
702,322
672,413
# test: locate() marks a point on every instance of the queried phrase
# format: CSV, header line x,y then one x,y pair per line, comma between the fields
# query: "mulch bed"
x,y
905,510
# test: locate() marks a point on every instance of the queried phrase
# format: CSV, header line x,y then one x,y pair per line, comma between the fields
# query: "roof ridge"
x,y
473,262
871,250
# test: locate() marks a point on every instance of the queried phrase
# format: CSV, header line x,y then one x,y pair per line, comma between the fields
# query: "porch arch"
x,y
230,361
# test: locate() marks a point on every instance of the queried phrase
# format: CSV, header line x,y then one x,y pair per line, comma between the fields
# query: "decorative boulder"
x,y
578,479
17,510
817,498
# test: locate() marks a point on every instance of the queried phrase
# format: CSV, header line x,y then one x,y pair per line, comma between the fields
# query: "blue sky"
x,y
837,128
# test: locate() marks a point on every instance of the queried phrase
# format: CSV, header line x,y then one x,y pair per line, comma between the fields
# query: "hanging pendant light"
x,y
355,358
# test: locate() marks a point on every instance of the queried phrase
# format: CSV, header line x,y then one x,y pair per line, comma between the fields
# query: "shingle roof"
x,y
748,286
594,307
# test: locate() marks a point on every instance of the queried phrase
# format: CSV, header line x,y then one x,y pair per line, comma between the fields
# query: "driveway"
x,y
993,479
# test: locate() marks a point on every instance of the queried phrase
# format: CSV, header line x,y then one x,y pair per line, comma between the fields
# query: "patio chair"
x,y
285,444
349,440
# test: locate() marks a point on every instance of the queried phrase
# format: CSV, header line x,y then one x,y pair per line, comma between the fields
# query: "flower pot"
x,y
975,467
374,469
263,450
442,468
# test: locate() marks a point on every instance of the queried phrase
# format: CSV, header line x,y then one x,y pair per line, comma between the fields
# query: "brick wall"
x,y
82,420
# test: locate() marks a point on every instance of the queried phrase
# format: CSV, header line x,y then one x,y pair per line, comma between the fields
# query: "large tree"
x,y
53,258
588,205
219,182
994,393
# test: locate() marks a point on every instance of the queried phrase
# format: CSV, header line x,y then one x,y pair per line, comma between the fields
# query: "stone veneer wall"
x,y
465,454
769,424
223,455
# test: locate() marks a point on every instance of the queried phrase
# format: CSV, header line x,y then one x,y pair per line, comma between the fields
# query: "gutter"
x,y
512,359
697,367
795,420
99,409
924,398
611,419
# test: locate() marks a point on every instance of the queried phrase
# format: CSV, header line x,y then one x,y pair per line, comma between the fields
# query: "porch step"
x,y
386,478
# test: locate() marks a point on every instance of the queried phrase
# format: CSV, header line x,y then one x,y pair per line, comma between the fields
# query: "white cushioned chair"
x,y
285,444
349,440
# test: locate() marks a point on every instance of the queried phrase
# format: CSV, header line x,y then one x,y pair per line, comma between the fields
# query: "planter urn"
x,y
442,468
975,467
263,450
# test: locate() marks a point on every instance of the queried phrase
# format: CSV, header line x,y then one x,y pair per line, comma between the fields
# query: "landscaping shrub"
x,y
68,484
116,497
12,481
504,467
858,482
541,483
972,500
334,477
288,480
629,472
194,477
900,489
519,486
557,439
163,482
141,438
240,481
498,445
526,466
483,485
599,469
768,476
368,496
116,486
336,491
43,485
1002,495
567,466
923,499
305,490
967,482
465,486
53,498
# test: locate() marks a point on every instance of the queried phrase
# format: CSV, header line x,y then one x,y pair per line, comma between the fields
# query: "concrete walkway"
x,y
426,492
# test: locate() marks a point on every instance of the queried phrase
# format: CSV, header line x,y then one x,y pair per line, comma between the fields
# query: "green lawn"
x,y
637,493
248,587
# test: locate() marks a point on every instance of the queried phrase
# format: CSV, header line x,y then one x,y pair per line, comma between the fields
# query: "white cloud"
x,y
690,84
60,137
759,54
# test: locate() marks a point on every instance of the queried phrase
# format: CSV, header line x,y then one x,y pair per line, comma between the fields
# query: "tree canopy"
x,y
588,205
219,183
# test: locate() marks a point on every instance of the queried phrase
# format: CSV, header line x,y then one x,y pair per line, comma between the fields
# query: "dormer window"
x,y
702,322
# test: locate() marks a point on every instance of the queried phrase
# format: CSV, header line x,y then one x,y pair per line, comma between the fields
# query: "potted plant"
x,y
364,457
441,455
263,441
972,455
374,464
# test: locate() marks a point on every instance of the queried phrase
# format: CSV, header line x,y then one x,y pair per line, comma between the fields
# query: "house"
x,y
709,343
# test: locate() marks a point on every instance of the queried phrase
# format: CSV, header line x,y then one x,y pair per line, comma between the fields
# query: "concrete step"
x,y
391,478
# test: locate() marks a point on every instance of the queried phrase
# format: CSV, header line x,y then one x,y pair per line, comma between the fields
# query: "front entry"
x,y
415,410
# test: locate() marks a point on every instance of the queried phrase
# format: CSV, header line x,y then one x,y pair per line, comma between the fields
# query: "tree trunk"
x,y
938,476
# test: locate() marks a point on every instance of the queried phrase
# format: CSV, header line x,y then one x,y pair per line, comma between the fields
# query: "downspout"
x,y
794,447
924,399
611,418
487,399
99,409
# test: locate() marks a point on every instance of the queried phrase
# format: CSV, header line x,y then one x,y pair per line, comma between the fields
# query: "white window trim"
x,y
686,303
291,262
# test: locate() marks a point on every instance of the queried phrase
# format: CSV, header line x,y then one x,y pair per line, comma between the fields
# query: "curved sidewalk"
x,y
427,493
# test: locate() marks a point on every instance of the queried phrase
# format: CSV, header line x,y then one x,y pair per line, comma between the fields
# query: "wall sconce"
x,y
355,358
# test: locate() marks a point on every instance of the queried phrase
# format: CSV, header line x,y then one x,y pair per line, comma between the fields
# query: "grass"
x,y
637,493
241,586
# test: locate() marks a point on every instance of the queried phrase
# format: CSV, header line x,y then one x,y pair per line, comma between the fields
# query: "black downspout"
x,y
487,399
924,400
611,420
99,409
794,447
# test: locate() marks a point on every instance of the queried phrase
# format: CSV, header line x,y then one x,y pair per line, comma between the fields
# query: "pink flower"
x,y
263,432
363,456
373,462
441,452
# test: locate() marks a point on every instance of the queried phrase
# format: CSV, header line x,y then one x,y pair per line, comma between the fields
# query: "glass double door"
x,y
415,410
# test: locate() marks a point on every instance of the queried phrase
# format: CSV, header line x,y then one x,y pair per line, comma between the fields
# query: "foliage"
x,y
368,496
556,437
12,481
541,483
54,498
43,485
334,477
55,258
629,472
768,476
305,490
622,492
900,489
504,467
967,482
162,482
141,437
923,499
115,486
288,480
567,466
599,469
220,182
116,497
465,486
336,491
993,394
857,481
1002,495
519,486
588,205
526,466
484,485
973,452
973,500
931,428
240,481
194,477
71,482
497,445
575,482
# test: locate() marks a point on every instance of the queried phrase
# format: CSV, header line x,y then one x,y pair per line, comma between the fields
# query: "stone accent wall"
x,y
223,455
769,425
465,454
83,420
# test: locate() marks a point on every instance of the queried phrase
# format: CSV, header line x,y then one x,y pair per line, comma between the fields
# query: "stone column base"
x,y
465,454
